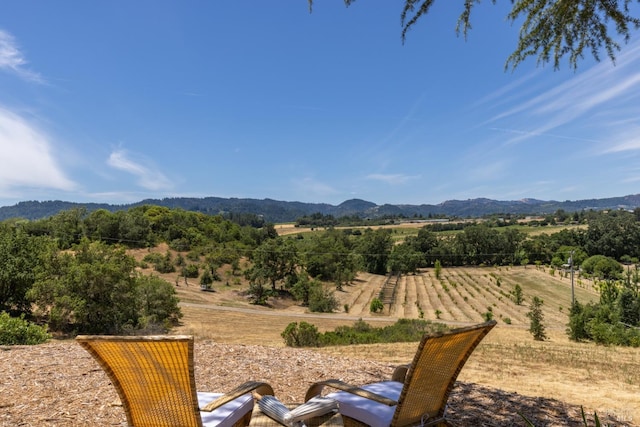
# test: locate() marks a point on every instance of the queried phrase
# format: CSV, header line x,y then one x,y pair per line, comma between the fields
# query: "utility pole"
x,y
573,297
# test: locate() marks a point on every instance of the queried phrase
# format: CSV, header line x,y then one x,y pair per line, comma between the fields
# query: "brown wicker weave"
x,y
427,381
154,378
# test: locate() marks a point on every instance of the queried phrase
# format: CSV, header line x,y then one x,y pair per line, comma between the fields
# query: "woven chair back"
x,y
433,372
153,376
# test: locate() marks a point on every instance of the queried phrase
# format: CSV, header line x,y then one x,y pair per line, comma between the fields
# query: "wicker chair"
x,y
417,393
154,378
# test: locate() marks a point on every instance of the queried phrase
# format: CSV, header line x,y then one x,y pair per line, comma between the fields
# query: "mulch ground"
x,y
59,384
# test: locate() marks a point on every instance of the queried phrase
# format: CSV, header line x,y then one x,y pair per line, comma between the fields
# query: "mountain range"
x,y
276,211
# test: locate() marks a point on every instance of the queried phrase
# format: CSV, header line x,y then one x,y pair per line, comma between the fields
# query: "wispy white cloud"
x,y
632,179
12,59
627,139
506,93
536,134
27,158
581,97
148,176
393,179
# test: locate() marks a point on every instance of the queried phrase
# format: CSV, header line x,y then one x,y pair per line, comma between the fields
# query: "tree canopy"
x,y
550,29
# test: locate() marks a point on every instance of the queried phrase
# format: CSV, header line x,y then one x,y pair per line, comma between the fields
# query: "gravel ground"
x,y
59,384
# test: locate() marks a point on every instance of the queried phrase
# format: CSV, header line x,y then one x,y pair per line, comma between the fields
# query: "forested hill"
x,y
280,211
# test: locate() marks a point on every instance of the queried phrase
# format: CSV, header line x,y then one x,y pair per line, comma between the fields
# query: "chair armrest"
x,y
262,388
399,373
316,389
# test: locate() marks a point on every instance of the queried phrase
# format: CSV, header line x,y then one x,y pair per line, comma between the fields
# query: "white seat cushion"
x,y
368,411
226,415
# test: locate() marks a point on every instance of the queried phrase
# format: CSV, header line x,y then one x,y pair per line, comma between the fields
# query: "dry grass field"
x,y
603,379
57,384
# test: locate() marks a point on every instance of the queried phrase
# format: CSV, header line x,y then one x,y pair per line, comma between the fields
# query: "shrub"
x,y
517,294
321,300
18,331
161,263
206,280
437,269
180,261
579,316
404,330
258,292
376,305
165,265
190,270
153,258
301,335
193,256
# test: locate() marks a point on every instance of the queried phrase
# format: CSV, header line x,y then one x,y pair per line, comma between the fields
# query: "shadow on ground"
x,y
474,405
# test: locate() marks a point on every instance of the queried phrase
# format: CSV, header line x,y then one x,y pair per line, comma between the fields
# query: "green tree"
x,y
550,29
602,267
628,306
258,292
518,297
67,227
613,234
190,270
424,243
206,280
158,302
135,229
321,300
536,316
437,269
405,259
579,316
102,225
329,256
274,260
20,256
374,247
95,289
165,264
481,244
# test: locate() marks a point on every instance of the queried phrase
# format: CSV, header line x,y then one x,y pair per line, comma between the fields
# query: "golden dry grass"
x,y
603,378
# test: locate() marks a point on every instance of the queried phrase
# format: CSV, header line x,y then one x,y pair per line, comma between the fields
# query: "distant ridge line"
x,y
282,211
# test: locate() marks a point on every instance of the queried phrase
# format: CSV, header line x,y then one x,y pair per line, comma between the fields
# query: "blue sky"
x,y
120,101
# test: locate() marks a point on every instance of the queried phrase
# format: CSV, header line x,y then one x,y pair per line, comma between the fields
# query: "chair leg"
x,y
244,421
